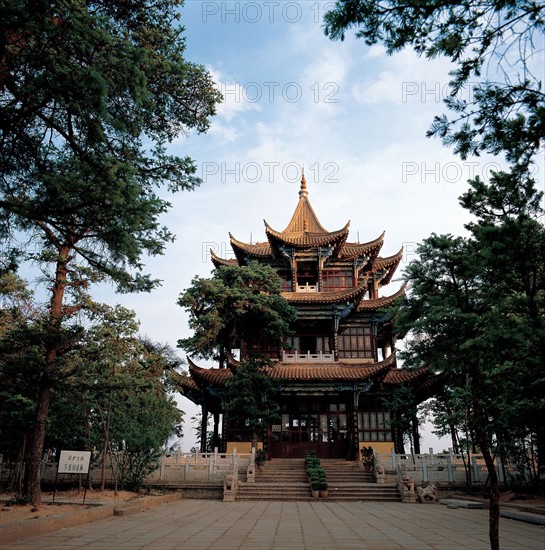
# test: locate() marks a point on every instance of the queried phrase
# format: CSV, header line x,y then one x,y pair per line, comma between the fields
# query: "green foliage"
x,y
495,48
16,501
403,404
140,427
237,308
315,472
91,93
114,389
238,304
367,454
477,309
250,396
91,96
261,455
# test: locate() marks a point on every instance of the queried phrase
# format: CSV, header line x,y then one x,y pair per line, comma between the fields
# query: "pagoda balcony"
x,y
306,288
296,357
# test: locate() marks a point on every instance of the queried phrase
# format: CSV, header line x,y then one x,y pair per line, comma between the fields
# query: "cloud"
x,y
238,97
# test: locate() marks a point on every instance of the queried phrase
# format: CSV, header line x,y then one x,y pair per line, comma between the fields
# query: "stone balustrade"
x,y
173,468
448,468
296,357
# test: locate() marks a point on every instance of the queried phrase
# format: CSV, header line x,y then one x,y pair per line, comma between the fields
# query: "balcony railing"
x,y
296,357
306,288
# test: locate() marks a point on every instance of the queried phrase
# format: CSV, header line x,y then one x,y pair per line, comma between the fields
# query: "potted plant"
x,y
323,487
315,488
367,456
260,457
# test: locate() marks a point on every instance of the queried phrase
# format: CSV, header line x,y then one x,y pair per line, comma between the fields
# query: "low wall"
x,y
173,468
441,469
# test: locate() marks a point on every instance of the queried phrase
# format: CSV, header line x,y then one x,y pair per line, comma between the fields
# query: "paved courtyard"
x,y
209,524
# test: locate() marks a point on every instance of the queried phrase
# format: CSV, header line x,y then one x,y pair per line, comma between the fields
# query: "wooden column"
x,y
204,426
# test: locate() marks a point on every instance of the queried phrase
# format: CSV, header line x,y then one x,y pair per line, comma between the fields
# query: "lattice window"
x,y
374,426
355,342
336,280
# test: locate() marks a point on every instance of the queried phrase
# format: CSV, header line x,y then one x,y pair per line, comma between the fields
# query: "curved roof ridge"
x,y
352,250
218,261
387,261
326,297
384,301
306,238
403,375
260,250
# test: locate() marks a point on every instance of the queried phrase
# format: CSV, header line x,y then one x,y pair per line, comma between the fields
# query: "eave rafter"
x,y
306,239
219,262
388,265
383,302
349,295
370,249
245,250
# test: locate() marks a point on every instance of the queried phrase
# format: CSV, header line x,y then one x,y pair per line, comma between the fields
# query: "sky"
x,y
354,117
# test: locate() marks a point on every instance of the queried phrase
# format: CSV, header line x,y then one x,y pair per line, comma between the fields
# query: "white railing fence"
x,y
445,468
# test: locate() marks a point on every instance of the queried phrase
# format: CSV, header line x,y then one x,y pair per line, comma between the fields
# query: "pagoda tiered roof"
x,y
306,239
303,231
382,302
389,264
349,294
202,380
372,248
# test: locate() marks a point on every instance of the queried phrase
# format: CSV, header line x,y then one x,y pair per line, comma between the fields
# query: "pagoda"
x,y
335,374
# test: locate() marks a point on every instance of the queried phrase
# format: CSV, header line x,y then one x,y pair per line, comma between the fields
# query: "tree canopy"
x,y
240,307
237,304
496,48
91,95
476,310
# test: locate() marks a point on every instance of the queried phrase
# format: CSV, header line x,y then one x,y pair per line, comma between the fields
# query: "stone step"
x,y
272,491
371,494
285,479
280,480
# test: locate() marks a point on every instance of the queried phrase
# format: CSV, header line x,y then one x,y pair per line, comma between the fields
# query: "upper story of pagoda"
x,y
320,266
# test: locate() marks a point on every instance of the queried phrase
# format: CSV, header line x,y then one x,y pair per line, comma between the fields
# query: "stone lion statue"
x,y
427,494
229,483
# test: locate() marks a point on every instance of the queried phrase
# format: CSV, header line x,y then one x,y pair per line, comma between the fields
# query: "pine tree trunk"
x,y
32,484
494,501
34,468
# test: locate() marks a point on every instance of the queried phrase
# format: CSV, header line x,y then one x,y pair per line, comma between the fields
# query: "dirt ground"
x,y
514,498
65,501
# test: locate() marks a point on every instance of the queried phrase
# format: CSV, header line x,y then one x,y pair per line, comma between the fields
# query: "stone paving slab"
x,y
209,524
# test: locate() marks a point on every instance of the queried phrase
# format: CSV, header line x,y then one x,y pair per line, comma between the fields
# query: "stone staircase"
x,y
347,481
285,479
280,479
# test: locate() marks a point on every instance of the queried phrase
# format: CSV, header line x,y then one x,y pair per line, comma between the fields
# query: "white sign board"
x,y
74,462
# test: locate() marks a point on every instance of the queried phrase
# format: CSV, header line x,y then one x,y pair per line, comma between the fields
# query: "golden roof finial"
x,y
303,192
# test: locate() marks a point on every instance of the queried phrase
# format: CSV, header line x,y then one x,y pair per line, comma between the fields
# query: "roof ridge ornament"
x,y
303,192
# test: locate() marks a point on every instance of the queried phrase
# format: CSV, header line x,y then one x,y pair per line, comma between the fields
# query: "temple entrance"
x,y
326,433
